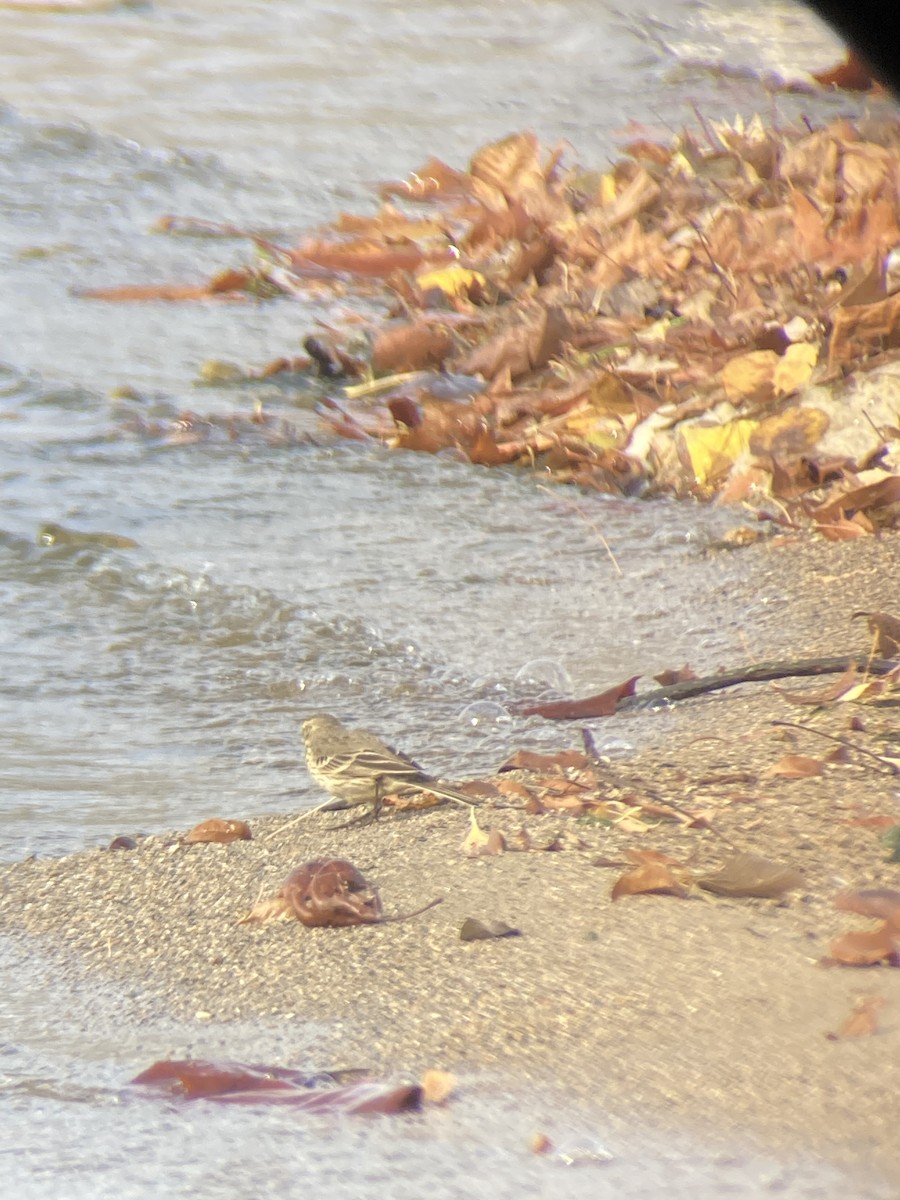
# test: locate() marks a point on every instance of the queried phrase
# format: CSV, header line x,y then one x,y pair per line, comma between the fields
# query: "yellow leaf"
x,y
794,367
606,413
607,188
454,281
714,449
789,434
750,376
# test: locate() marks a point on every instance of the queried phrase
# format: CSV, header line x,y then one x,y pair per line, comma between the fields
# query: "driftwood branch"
x,y
759,673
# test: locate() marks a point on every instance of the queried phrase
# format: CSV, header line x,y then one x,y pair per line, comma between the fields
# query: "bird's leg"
x,y
379,797
367,817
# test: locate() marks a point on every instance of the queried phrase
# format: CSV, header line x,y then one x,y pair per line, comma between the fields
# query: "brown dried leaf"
x,y
324,892
852,74
650,878
523,346
515,789
862,1021
681,675
481,844
365,257
218,830
788,435
196,1078
864,948
821,695
749,377
885,628
130,293
883,494
751,875
860,330
604,704
530,760
569,802
797,766
475,930
416,346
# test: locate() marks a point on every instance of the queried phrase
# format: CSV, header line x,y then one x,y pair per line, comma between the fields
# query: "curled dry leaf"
x,y
669,676
885,629
514,790
870,501
651,878
233,1083
479,843
604,704
327,892
751,875
218,830
193,1078
864,948
356,1099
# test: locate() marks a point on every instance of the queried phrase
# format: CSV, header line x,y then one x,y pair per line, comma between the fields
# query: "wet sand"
x,y
692,1015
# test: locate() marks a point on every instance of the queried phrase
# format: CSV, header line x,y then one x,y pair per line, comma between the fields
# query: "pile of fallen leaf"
x,y
654,327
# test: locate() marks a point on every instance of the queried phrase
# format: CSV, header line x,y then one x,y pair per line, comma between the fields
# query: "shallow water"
x,y
147,689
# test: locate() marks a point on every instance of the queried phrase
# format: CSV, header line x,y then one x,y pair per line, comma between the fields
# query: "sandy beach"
x,y
696,1015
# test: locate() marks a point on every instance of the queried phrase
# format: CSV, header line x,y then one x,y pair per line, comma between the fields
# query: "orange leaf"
x,y
862,1022
149,291
864,948
218,830
410,347
604,704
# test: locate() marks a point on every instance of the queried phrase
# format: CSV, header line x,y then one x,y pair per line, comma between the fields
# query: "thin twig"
x,y
587,520
886,762
712,262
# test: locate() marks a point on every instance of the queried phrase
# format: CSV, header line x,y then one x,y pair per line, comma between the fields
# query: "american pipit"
x,y
357,768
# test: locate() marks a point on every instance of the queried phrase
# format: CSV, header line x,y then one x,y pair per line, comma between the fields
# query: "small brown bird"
x,y
357,768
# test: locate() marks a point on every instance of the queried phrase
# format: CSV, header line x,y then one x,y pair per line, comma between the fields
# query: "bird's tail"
x,y
448,793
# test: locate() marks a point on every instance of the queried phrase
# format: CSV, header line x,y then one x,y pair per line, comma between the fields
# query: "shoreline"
x,y
703,1015
700,1019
